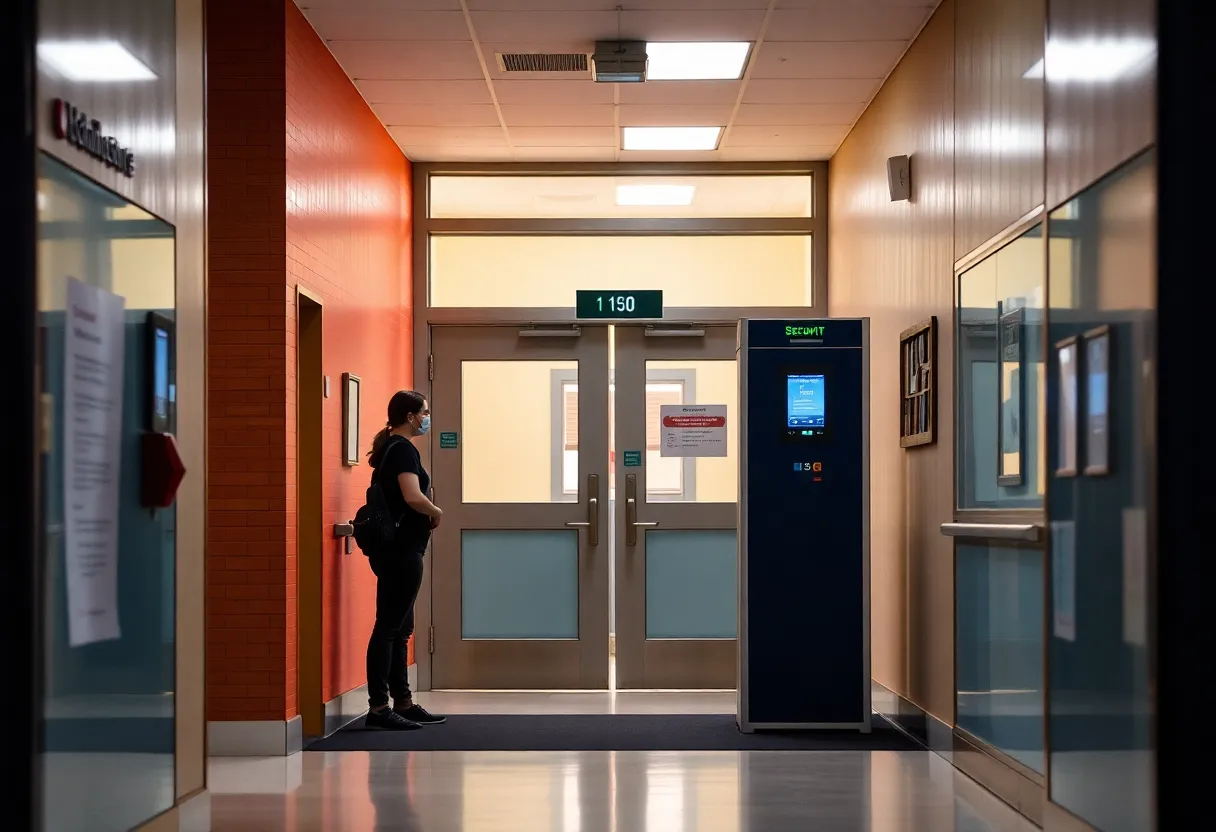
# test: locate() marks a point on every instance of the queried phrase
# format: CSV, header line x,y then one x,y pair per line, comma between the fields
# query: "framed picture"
x,y
1097,401
350,419
1067,357
1011,405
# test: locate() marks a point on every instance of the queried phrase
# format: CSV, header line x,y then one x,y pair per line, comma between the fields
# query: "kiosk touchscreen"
x,y
804,525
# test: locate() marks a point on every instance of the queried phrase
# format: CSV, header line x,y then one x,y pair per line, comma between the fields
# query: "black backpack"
x,y
375,526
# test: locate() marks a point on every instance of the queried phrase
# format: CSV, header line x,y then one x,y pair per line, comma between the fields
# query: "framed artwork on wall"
x,y
1097,401
1067,358
1011,407
350,419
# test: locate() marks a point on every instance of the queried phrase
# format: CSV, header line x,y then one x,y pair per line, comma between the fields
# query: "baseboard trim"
x,y
345,709
264,738
913,720
194,813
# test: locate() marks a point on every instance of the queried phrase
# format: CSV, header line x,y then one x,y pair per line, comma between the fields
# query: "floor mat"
x,y
615,732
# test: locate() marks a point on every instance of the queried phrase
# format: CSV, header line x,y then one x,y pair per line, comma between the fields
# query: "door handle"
x,y
592,523
631,511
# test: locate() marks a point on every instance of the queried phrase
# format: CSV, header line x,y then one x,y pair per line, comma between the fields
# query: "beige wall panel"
x,y
999,116
894,263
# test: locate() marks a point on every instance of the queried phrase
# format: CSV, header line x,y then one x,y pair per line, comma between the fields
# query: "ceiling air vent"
x,y
542,62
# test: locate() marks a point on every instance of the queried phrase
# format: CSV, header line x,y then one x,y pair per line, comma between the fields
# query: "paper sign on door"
x,y
689,430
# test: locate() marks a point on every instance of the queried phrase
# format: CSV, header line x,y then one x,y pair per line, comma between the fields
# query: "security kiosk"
x,y
804,525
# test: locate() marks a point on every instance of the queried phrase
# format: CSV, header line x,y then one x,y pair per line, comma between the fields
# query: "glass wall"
x,y
1102,297
1001,393
106,307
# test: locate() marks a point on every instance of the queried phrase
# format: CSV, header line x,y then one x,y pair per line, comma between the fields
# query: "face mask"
x,y
424,425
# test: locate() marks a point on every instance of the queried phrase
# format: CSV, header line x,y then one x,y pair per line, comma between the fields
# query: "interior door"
x,y
676,573
519,457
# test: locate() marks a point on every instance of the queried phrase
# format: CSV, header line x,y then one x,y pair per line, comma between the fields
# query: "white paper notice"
x,y
92,455
692,430
1064,580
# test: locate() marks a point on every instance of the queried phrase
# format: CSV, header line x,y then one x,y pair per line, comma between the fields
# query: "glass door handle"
x,y
592,523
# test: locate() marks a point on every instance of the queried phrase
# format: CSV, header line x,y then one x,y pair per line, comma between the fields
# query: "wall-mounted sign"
x,y
449,440
617,304
77,129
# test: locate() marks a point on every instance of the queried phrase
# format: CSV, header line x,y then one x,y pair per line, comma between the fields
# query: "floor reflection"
x,y
636,791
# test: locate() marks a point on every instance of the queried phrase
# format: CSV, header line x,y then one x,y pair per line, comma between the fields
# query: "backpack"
x,y
375,526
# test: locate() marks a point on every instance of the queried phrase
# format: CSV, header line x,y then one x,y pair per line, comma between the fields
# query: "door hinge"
x,y
430,367
430,640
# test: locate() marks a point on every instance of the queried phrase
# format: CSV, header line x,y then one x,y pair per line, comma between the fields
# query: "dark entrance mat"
x,y
616,732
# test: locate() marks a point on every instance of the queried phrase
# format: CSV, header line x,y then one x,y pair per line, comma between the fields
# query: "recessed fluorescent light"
x,y
670,138
1093,60
654,196
93,61
696,61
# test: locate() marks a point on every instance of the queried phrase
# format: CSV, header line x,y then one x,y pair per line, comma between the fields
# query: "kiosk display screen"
x,y
805,404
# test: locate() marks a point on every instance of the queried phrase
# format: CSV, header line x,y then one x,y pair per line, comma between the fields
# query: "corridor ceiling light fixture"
x,y
93,61
696,61
654,196
1093,60
670,138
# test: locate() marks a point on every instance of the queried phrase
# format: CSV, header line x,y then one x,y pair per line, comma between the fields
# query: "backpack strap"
x,y
393,441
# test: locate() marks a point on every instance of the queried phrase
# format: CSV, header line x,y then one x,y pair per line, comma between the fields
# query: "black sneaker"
x,y
420,715
389,720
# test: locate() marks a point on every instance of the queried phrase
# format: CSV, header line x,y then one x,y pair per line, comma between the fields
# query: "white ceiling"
x,y
428,68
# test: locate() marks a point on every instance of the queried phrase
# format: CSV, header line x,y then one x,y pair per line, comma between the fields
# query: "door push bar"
x,y
346,531
592,523
993,531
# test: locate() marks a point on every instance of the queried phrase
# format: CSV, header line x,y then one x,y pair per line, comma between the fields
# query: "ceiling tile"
x,y
814,91
927,5
680,92
544,26
565,154
427,153
449,136
853,22
777,154
563,136
380,5
599,5
540,115
692,24
798,114
785,136
655,115
425,92
873,59
388,24
582,91
443,115
402,61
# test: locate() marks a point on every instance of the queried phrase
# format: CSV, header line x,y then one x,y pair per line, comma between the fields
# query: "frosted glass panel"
x,y
525,271
691,584
519,584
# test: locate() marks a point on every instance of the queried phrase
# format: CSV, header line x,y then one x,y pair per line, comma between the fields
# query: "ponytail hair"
x,y
403,405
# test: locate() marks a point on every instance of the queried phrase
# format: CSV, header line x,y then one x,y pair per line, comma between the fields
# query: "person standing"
x,y
397,468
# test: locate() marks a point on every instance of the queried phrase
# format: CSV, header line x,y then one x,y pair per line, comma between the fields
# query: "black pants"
x,y
398,578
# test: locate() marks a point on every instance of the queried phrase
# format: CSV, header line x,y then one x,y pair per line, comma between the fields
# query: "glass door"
x,y
519,566
675,493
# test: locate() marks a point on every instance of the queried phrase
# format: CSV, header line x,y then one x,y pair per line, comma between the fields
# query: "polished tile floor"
x,y
601,791
663,791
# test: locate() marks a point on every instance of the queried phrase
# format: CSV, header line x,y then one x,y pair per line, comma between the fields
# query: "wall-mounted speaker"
x,y
899,178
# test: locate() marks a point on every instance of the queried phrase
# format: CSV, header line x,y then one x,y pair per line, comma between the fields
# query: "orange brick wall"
x,y
348,240
283,119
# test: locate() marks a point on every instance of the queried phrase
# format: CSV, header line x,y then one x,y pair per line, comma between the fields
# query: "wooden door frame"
x,y
310,466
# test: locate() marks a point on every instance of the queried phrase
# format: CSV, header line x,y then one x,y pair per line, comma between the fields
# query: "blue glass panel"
x,y
519,584
691,584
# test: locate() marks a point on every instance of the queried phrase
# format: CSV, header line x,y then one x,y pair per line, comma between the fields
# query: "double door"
x,y
570,532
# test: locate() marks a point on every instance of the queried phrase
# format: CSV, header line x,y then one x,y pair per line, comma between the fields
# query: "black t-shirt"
x,y
401,457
